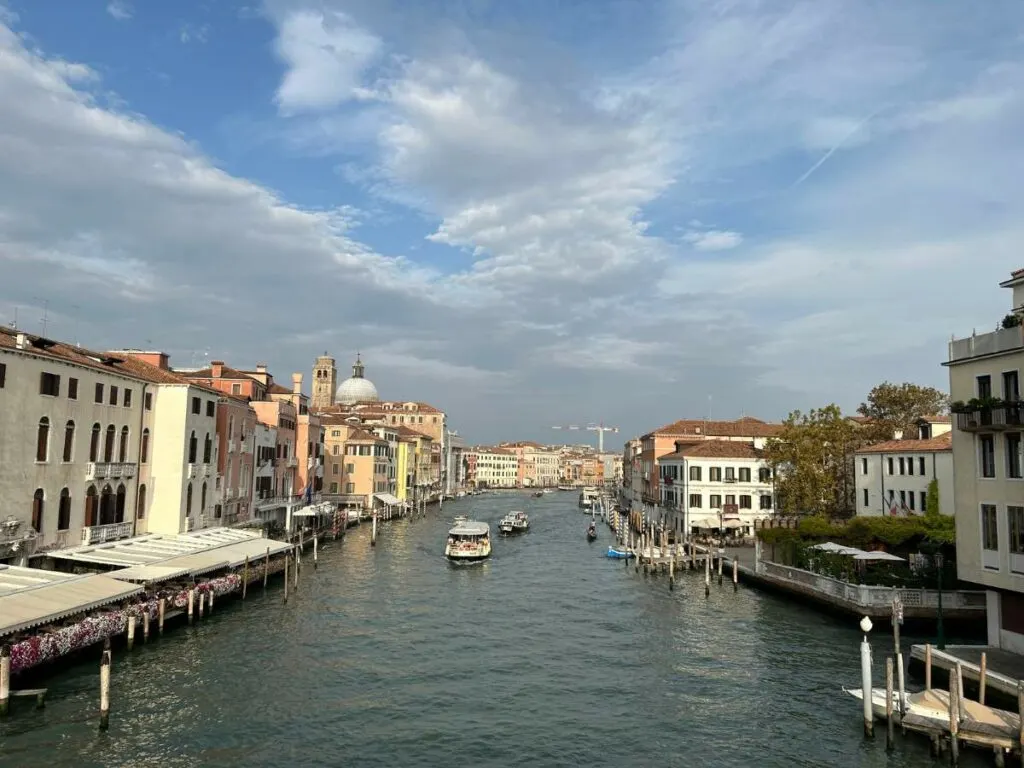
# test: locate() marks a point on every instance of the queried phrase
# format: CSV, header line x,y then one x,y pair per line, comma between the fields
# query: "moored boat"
x,y
469,541
620,553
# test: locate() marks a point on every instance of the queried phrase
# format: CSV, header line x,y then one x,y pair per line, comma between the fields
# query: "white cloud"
x,y
325,55
120,9
713,240
194,33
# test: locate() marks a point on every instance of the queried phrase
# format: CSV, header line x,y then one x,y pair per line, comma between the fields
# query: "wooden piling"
x,y
202,603
5,678
131,631
373,531
720,558
890,733
286,577
105,686
145,626
928,666
982,674
735,574
161,609
266,567
1020,711
954,718
209,604
297,556
191,605
707,575
672,571
315,553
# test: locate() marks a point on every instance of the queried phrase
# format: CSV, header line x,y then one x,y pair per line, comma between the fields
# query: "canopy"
x,y
732,523
883,556
387,498
703,521
857,554
839,549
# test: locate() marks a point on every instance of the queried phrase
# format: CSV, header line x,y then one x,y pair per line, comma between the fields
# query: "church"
x,y
355,389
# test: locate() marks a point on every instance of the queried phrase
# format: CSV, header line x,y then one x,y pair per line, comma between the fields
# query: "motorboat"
x,y
588,498
620,553
514,522
469,541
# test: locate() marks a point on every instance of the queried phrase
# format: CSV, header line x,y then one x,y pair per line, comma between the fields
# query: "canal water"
x,y
549,654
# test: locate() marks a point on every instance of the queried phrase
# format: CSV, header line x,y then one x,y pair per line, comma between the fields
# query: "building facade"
x,y
495,467
988,481
895,477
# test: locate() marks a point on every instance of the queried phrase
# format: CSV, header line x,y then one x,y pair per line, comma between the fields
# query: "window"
x,y
197,406
730,474
334,450
350,488
207,450
334,487
695,500
715,474
745,501
902,466
920,465
69,441
202,500
108,443
764,475
910,500
64,510
1015,516
49,384
122,447
987,451
99,394
1011,386
147,401
94,443
889,462
715,501
866,502
193,448
744,474
730,500
3,374
127,398
910,465
1013,455
903,499
350,468
140,508
113,395
335,469
37,510
72,389
211,408
43,440
984,387
766,502
236,389
695,473
863,466
188,500
144,448
989,532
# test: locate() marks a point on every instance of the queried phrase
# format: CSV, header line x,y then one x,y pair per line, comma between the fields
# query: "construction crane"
x,y
599,428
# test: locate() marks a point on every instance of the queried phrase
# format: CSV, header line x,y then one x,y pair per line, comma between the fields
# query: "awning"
x,y
839,549
53,596
879,556
387,498
149,574
732,523
702,521
326,508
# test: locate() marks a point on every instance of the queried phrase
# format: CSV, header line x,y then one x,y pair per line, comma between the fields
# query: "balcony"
x,y
995,416
231,446
728,479
291,462
98,534
110,470
999,342
269,502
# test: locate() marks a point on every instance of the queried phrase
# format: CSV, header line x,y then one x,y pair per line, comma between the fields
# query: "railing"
x,y
104,470
190,524
269,502
344,498
993,343
97,534
193,471
291,462
992,418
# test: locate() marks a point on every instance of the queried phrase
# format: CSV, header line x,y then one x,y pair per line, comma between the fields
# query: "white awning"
x,y
881,556
326,508
149,574
387,498
702,521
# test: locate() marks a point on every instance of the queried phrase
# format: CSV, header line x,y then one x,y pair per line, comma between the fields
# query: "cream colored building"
x,y
894,477
988,481
495,467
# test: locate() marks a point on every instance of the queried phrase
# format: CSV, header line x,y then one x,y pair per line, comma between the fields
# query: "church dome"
x,y
357,388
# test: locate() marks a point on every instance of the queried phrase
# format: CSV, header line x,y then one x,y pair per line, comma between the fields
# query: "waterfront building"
x,y
715,485
988,464
630,496
455,472
894,477
264,442
494,467
538,465
357,388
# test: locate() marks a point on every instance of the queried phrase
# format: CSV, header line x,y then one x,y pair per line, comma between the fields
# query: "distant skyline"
x,y
525,213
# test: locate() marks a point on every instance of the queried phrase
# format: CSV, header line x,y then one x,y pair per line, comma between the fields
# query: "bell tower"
x,y
325,379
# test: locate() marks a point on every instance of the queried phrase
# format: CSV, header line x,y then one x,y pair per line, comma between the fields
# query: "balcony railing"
x,y
981,344
291,462
97,534
991,418
109,470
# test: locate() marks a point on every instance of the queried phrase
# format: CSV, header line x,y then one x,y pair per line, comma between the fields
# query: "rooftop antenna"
x,y
46,313
14,322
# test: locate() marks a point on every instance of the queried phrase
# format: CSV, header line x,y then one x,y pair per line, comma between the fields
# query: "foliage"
x,y
931,509
811,456
1012,320
903,533
897,407
977,404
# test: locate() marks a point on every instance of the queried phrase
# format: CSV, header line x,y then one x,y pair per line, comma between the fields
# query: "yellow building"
x,y
405,474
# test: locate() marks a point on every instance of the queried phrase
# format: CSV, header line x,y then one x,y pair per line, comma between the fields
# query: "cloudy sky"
x,y
527,212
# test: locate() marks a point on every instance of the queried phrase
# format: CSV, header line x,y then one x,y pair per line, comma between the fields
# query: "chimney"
x,y
261,367
296,383
217,368
21,340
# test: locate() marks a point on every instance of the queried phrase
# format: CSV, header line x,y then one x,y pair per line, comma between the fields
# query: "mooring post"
x,y
145,625
928,666
373,531
286,554
721,556
735,573
1020,712
865,678
245,576
890,734
672,570
316,556
954,718
982,674
131,631
161,609
105,686
191,605
297,570
202,603
209,604
707,574
5,678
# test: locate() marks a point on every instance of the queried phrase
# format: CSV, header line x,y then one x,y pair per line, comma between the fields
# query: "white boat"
x,y
514,522
588,498
469,541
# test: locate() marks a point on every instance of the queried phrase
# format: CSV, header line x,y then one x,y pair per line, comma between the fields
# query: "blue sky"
x,y
527,212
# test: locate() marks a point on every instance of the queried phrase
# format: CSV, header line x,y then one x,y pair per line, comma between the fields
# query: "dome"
x,y
357,388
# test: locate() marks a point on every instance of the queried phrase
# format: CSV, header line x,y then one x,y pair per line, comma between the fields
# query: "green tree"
x,y
813,460
897,407
931,508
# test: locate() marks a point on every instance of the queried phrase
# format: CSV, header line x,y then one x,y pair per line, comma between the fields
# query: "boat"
x,y
459,519
588,498
620,553
565,487
469,541
592,532
514,522
538,494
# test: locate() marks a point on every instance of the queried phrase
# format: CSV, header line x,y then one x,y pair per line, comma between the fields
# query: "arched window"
x,y
202,500
140,509
122,448
144,452
91,502
207,449
43,440
108,444
64,511
188,500
37,510
94,443
69,441
106,505
193,447
119,503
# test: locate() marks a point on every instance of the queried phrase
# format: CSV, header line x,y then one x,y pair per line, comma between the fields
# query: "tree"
x,y
898,407
931,506
812,457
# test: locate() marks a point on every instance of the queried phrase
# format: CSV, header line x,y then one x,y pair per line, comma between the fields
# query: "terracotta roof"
x,y
226,372
362,434
715,449
404,431
277,389
744,427
940,443
860,419
939,419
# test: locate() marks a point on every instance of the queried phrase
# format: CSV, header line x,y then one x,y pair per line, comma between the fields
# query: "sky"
x,y
528,212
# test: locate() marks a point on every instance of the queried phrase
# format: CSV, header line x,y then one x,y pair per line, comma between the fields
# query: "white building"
x,y
496,468
988,463
894,477
715,485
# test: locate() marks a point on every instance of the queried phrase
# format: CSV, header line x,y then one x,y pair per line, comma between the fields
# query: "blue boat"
x,y
620,554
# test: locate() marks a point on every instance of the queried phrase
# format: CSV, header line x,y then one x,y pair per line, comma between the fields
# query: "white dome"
x,y
356,390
